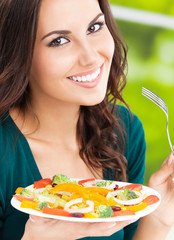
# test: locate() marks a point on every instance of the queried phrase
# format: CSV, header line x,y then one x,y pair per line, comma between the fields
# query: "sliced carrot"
x,y
21,198
151,199
123,213
56,211
133,186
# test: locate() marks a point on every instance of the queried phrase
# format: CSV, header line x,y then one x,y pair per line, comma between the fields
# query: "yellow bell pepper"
x,y
137,207
100,190
69,187
18,190
32,205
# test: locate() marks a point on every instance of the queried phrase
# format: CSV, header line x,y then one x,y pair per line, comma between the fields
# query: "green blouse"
x,y
18,168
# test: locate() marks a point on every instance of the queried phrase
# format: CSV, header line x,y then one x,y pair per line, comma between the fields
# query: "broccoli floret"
x,y
104,211
104,183
127,194
60,178
43,204
27,193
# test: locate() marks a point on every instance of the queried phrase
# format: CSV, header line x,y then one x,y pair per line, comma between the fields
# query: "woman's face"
x,y
73,53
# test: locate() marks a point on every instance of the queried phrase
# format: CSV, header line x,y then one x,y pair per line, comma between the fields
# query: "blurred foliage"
x,y
160,6
150,64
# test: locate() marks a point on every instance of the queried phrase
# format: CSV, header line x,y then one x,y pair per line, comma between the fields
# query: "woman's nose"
x,y
88,54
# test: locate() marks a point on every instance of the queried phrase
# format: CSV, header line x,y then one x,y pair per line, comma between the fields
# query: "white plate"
x,y
146,190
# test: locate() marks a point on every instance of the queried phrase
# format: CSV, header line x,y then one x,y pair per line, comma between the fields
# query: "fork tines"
x,y
155,98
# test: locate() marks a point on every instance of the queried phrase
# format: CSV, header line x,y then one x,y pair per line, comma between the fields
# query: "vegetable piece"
x,y
42,183
50,198
103,183
90,208
137,207
56,211
119,193
99,190
126,194
31,205
91,215
22,198
97,197
81,182
151,199
104,211
133,186
18,190
123,213
43,204
70,187
27,192
60,178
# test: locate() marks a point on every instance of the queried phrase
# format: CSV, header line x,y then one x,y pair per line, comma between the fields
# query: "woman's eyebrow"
x,y
67,31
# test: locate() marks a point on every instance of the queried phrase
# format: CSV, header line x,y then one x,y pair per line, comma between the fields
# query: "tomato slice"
x,y
133,186
81,182
56,211
123,213
43,183
151,199
21,198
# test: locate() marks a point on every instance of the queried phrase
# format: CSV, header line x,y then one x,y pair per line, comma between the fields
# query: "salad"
x,y
87,198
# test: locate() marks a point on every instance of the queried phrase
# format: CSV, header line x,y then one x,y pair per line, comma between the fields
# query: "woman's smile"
x,y
88,79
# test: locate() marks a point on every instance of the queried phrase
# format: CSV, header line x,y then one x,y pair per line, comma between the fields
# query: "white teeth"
x,y
87,78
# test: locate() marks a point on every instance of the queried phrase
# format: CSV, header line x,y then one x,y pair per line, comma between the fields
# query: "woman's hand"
x,y
163,182
156,225
43,228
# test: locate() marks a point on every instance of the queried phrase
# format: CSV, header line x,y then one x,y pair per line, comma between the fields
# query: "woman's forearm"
x,y
149,228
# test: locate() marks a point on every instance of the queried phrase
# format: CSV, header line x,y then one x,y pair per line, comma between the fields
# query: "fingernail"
x,y
111,225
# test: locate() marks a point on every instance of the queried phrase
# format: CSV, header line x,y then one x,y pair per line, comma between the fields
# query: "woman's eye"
x,y
95,28
58,42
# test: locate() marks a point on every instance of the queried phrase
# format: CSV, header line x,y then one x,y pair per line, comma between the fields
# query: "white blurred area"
x,y
156,20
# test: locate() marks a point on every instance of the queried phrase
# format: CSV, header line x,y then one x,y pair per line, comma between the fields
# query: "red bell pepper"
x,y
133,186
43,183
81,182
151,199
123,213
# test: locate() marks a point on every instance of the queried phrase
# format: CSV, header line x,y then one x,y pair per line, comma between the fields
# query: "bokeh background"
x,y
150,64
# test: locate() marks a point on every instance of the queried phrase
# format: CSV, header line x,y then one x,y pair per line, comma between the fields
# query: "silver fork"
x,y
160,102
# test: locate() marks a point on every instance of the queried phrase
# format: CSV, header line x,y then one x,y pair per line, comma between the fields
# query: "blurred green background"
x,y
150,64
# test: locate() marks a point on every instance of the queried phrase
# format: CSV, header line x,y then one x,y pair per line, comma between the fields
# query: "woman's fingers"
x,y
82,229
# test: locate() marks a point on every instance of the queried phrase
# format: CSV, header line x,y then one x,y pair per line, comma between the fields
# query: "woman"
x,y
62,63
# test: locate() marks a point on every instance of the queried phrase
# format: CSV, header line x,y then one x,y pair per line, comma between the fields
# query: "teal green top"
x,y
18,168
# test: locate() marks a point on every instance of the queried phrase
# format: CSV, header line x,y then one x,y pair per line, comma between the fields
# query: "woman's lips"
x,y
88,79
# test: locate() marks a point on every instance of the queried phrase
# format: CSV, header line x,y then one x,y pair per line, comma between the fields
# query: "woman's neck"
x,y
49,123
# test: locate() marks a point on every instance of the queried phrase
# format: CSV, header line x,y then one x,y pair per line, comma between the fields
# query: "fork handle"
x,y
170,140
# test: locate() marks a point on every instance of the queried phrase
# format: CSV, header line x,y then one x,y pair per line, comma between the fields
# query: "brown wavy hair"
x,y
100,146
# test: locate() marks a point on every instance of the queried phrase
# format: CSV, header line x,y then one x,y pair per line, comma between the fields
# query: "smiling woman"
x,y
62,69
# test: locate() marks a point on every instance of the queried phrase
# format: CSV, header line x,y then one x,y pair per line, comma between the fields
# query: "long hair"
x,y
100,146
